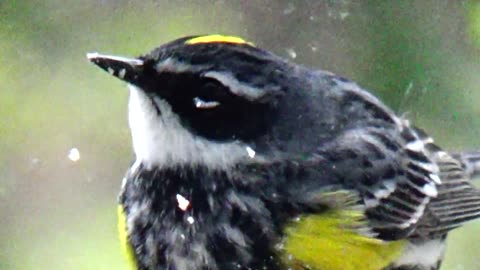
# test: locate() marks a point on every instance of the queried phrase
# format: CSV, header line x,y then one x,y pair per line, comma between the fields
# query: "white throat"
x,y
161,140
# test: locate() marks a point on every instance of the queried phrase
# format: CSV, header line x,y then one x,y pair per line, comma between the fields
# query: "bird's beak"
x,y
127,69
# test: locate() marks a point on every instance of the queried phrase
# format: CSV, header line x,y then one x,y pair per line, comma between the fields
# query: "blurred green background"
x,y
420,57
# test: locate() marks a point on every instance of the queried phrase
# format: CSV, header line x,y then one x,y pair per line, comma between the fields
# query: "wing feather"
x,y
396,183
410,187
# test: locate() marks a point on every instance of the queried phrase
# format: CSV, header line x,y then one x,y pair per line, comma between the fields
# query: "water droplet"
x,y
289,9
183,203
344,15
74,154
291,52
250,152
35,161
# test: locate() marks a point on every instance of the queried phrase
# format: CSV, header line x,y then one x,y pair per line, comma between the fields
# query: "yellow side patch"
x,y
123,234
327,242
218,38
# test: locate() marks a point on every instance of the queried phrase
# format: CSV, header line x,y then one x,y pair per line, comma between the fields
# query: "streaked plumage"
x,y
246,161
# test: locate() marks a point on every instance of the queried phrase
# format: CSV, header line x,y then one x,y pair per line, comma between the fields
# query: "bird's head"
x,y
202,100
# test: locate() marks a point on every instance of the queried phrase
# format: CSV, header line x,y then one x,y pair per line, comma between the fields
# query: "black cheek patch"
x,y
230,121
235,118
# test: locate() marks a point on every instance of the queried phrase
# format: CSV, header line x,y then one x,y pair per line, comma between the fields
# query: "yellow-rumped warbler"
x,y
247,161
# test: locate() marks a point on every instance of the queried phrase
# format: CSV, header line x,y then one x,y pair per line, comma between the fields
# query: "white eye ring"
x,y
202,104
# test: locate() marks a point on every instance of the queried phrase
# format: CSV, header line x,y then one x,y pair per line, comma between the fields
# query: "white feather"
x,y
416,146
430,190
435,178
234,85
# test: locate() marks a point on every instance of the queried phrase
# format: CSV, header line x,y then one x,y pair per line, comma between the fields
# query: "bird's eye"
x,y
202,104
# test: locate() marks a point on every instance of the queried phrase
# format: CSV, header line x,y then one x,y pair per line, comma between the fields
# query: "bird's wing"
x,y
410,187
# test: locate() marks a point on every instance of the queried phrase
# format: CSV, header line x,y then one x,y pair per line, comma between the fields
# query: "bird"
x,y
245,160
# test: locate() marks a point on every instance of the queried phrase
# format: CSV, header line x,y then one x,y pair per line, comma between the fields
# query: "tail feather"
x,y
470,162
458,200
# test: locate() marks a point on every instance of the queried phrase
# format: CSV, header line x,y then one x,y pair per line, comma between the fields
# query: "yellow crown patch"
x,y
218,38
